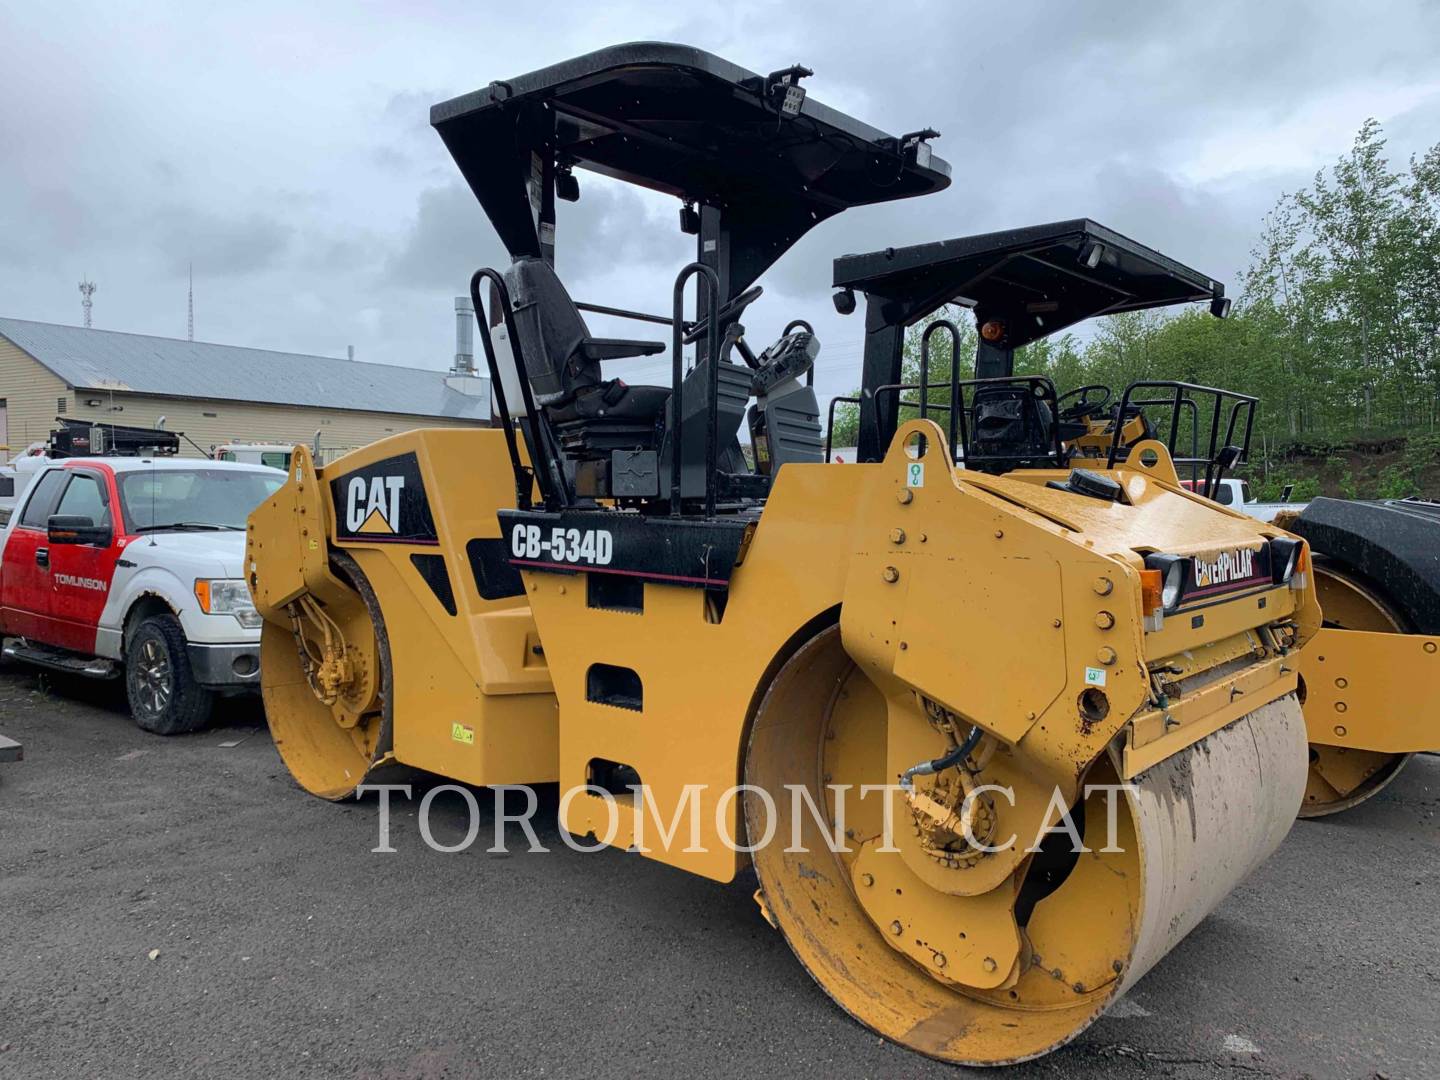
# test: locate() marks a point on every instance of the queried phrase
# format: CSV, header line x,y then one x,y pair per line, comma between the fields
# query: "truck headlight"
x,y
227,596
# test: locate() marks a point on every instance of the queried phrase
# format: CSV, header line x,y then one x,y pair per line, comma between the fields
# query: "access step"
x,y
90,667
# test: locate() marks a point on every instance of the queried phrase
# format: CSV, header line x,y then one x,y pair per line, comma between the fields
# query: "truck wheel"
x,y
164,697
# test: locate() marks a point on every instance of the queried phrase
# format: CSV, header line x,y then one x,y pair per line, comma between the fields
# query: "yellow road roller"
x,y
997,716
1376,567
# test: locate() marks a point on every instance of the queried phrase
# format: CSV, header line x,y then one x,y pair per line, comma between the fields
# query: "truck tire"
x,y
164,697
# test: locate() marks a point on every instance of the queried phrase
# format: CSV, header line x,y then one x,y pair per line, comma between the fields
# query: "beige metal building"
x,y
216,394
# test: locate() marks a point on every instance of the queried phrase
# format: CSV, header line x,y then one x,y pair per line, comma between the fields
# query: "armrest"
x,y
618,348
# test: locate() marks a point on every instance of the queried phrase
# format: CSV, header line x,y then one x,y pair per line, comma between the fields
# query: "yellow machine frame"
x,y
499,705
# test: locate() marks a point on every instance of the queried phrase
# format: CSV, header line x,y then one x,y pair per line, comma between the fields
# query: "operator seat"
x,y
1012,425
1132,412
590,414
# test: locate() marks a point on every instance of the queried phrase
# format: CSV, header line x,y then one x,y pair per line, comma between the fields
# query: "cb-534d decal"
x,y
699,554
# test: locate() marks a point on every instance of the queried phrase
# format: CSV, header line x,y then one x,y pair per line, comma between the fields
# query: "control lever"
x,y
728,313
735,336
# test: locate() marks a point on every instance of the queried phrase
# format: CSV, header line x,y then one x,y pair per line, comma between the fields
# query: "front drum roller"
x,y
1342,778
909,961
331,737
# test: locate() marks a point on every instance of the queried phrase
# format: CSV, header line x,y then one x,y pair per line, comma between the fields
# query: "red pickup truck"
x,y
133,566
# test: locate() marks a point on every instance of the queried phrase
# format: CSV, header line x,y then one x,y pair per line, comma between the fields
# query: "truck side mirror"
x,y
75,529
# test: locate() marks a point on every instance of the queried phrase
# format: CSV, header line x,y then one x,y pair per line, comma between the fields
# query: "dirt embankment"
x,y
1380,468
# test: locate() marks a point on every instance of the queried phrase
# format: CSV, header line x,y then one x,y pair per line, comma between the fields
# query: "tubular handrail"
x,y
1194,460
553,487
900,403
677,380
956,415
963,452
1215,470
1183,394
626,313
957,430
900,388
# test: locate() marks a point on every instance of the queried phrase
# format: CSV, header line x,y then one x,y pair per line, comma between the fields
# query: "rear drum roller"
x,y
330,737
1341,778
930,970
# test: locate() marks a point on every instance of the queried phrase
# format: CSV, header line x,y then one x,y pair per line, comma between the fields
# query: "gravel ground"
x,y
179,906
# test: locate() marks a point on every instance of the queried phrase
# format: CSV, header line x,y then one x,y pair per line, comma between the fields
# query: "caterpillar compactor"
x,y
993,737
1370,682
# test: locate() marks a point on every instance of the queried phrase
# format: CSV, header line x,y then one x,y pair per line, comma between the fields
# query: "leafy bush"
x,y
1271,490
1422,451
1397,482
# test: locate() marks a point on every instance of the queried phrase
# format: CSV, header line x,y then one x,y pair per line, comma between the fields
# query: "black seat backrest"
x,y
551,332
1011,422
1131,412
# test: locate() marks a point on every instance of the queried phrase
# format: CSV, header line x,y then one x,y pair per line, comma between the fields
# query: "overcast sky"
x,y
285,149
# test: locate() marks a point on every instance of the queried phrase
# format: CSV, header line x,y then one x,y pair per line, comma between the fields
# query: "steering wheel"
x,y
1085,406
729,312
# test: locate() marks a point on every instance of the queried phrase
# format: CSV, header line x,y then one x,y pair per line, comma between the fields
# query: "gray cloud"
x,y
450,237
613,226
409,110
321,210
228,246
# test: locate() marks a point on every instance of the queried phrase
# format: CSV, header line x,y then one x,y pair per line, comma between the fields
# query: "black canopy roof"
x,y
682,121
1037,280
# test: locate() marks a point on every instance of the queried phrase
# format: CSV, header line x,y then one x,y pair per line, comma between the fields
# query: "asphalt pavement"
x,y
179,907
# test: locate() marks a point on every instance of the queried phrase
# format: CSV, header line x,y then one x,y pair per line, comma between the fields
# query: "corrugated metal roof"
x,y
167,367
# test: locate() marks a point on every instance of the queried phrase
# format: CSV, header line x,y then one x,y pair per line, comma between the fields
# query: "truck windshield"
x,y
193,498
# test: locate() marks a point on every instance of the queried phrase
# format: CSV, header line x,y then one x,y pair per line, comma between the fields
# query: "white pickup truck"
x,y
132,566
1236,493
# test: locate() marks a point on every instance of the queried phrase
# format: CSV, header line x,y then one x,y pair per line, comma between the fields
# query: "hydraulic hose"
x,y
954,757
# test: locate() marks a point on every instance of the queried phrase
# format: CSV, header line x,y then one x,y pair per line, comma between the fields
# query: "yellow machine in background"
x,y
1377,575
995,728
1372,695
